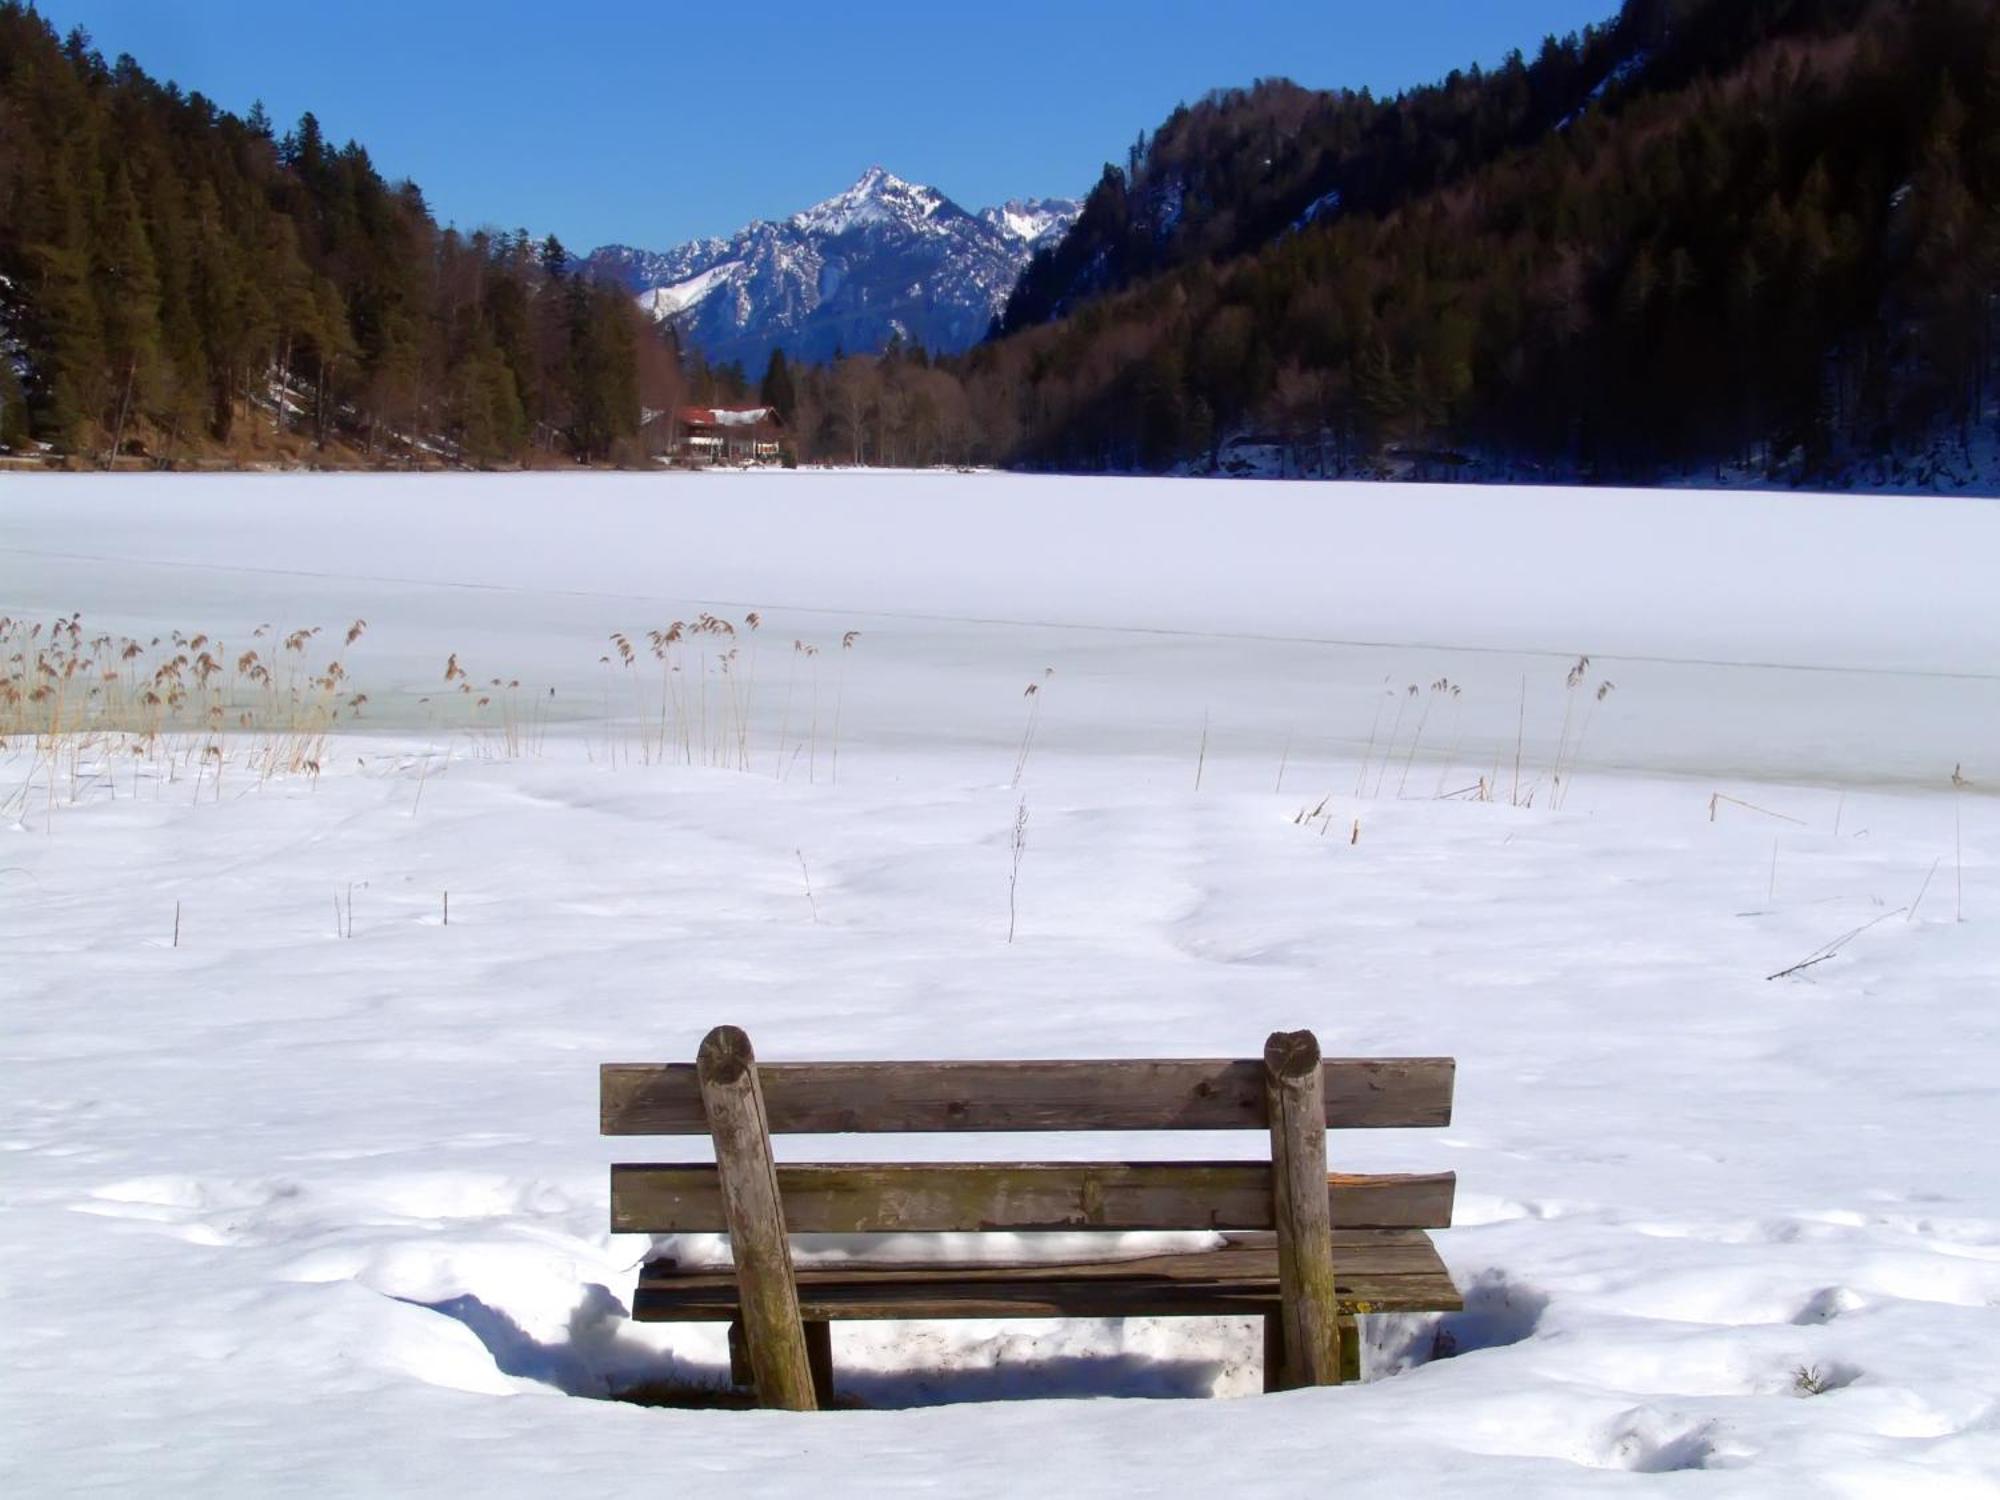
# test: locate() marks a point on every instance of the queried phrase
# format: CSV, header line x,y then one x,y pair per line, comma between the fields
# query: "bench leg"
x,y
739,1355
819,1359
1274,1352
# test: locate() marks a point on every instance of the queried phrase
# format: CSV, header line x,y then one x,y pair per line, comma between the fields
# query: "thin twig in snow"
x,y
1821,955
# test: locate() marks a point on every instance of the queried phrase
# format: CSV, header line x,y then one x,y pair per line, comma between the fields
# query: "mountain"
x,y
886,258
1710,238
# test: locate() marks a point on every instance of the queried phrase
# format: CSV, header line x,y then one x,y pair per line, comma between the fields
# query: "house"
x,y
728,435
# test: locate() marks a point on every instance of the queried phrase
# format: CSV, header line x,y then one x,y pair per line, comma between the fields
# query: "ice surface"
x,y
289,1212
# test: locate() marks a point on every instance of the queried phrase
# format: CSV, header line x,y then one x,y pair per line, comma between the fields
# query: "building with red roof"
x,y
728,435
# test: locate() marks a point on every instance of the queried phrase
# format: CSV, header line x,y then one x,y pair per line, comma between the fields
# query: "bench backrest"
x,y
1007,1097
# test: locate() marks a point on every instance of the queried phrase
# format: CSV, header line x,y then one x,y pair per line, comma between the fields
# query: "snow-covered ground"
x,y
288,1211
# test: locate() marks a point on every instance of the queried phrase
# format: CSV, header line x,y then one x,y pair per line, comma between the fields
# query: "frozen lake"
x,y
1795,637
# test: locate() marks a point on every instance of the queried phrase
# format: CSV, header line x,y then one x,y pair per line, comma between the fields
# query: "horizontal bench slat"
x,y
926,1197
1380,1271
1107,1094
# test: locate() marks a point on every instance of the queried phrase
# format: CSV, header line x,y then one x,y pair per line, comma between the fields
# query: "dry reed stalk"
x,y
1457,739
839,700
1827,950
1570,684
785,720
1604,690
1402,707
1033,693
807,876
1438,688
1958,786
1520,734
753,622
1719,798
1368,754
1912,914
812,759
1017,846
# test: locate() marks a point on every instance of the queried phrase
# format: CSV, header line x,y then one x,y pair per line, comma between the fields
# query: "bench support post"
x,y
819,1358
734,1104
1293,1089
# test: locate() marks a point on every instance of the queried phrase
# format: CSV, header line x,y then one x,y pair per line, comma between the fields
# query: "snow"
x,y
840,275
293,1213
1623,73
734,416
1033,221
877,197
662,302
1326,203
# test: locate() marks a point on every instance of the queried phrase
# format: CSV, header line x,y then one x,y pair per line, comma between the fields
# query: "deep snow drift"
x,y
292,1211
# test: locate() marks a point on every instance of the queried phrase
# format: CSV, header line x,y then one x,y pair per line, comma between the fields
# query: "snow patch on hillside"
x,y
665,301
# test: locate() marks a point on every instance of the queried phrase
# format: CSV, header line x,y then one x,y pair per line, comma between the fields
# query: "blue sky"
x,y
652,121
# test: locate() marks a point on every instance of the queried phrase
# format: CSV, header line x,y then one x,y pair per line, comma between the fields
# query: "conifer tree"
x,y
777,390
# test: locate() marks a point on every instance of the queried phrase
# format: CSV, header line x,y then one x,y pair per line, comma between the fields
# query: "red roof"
x,y
728,416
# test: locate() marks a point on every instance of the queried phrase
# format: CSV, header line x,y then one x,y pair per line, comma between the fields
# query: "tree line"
x,y
177,282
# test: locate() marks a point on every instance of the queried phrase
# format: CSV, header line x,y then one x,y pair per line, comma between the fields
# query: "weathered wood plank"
x,y
1249,1257
1386,1271
747,1189
1300,1203
1047,1299
739,1346
819,1356
1114,1094
922,1197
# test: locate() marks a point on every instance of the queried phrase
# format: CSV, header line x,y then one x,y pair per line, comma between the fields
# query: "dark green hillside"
x,y
1771,238
169,268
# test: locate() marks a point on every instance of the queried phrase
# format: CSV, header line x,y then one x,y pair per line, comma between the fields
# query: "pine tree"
x,y
128,299
777,390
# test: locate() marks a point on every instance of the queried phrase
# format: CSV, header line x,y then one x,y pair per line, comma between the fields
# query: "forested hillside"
x,y
177,283
1717,231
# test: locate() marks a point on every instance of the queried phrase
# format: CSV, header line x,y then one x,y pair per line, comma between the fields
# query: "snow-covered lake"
x,y
288,1211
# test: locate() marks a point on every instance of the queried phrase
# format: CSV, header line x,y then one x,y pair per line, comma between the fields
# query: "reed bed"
x,y
1438,712
97,712
90,708
686,694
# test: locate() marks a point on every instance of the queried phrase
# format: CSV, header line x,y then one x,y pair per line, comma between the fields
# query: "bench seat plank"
x,y
1106,1095
1374,1271
923,1197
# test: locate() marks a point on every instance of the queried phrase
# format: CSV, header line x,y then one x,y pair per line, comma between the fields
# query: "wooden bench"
x,y
1306,1250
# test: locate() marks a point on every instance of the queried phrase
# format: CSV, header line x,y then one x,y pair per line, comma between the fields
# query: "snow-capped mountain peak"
x,y
1032,220
877,197
886,258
